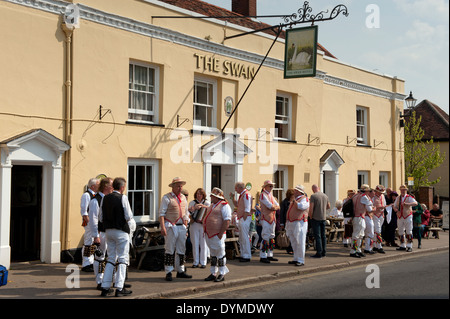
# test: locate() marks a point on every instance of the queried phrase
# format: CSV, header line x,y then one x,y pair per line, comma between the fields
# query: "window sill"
x,y
285,140
144,123
363,145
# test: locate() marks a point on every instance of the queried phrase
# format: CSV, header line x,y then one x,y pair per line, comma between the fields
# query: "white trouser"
x,y
244,237
368,233
346,240
359,225
217,251
175,242
88,240
118,244
405,225
99,259
199,247
296,231
377,226
267,235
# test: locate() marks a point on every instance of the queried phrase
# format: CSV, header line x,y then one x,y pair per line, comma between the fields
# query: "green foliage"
x,y
421,157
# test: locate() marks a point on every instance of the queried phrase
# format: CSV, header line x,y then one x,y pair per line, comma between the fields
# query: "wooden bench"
x,y
433,227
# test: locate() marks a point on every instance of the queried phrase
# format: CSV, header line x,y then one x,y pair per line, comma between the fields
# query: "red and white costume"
x,y
297,226
404,205
379,203
268,222
216,215
244,206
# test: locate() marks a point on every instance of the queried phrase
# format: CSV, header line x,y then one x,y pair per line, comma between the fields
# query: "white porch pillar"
x,y
5,212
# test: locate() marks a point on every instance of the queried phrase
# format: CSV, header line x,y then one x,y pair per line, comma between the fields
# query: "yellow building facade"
x,y
121,92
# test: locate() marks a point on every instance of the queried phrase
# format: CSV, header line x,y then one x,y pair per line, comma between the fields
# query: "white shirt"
x,y
303,204
94,210
365,200
264,199
165,205
247,201
85,199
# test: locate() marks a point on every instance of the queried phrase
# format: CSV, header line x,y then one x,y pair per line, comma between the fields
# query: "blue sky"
x,y
404,38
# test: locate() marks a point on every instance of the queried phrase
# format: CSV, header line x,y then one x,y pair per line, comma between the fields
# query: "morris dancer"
x,y
269,206
361,205
244,216
215,223
297,225
379,203
403,207
173,220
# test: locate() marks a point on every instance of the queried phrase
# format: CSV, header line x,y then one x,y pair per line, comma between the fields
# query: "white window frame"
x,y
152,211
383,179
284,119
283,173
363,178
362,126
213,107
154,95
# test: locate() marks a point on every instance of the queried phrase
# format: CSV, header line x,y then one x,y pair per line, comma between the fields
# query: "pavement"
x,y
36,280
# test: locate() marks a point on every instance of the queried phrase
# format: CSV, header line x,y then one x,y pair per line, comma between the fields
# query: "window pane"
x,y
138,204
149,177
201,93
140,177
131,178
200,115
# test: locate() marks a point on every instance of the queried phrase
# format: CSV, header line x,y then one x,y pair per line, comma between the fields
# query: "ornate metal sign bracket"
x,y
303,15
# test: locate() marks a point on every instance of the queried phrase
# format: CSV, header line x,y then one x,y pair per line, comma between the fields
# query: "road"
x,y
422,277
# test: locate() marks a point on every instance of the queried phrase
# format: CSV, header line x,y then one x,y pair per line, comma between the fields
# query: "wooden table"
x,y
434,226
150,233
153,233
336,227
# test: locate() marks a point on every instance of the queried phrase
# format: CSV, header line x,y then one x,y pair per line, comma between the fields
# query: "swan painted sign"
x,y
300,52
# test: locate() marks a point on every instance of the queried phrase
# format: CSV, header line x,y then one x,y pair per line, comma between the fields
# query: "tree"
x,y
421,157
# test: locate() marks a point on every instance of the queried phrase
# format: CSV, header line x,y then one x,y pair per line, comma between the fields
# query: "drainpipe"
x,y
68,31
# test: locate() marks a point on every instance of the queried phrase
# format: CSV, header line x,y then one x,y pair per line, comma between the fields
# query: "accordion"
x,y
199,214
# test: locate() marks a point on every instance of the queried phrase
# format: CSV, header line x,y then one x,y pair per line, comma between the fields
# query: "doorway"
x,y
26,211
223,176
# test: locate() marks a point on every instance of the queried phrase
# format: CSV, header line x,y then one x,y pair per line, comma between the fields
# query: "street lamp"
x,y
410,101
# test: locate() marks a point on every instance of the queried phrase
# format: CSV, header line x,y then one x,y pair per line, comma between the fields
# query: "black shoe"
x,y
355,255
106,292
194,266
219,278
401,248
202,266
409,249
264,260
346,245
183,275
361,254
292,262
210,278
316,256
381,251
169,276
298,264
244,260
272,259
89,268
370,252
122,292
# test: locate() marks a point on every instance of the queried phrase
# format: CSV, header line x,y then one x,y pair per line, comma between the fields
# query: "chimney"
x,y
244,7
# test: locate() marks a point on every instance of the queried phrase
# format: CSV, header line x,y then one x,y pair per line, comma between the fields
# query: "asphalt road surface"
x,y
421,277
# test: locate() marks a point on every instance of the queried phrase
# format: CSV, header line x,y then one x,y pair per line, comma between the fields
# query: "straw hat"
x,y
267,182
301,189
351,191
365,188
381,189
217,192
177,180
403,187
